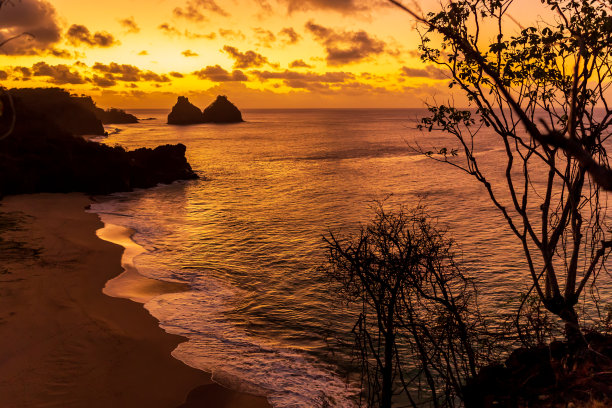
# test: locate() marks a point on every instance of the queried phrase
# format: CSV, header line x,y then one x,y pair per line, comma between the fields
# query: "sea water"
x,y
247,236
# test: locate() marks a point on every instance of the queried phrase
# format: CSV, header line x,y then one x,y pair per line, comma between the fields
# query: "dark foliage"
x,y
546,376
419,334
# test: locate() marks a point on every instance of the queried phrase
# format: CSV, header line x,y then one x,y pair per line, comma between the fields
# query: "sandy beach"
x,y
63,342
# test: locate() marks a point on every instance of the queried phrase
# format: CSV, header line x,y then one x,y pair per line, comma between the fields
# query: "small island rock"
x,y
184,113
221,111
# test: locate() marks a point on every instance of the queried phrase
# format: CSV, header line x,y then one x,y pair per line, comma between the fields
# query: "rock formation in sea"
x,y
43,154
222,111
184,113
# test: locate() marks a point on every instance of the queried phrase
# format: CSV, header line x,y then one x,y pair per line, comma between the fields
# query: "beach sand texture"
x,y
63,343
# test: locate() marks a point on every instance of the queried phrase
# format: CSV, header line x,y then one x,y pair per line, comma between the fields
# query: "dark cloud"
x,y
231,34
299,64
342,6
59,74
104,81
248,59
153,77
427,72
209,36
3,75
194,10
291,36
189,53
265,38
306,80
130,25
168,29
79,34
38,18
56,52
217,74
128,73
346,47
25,72
176,74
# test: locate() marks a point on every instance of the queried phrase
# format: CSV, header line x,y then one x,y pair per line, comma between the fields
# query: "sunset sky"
x,y
260,53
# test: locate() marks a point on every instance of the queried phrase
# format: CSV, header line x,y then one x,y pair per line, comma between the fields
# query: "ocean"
x,y
247,236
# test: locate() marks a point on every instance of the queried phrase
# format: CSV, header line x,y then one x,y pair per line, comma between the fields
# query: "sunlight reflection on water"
x,y
247,236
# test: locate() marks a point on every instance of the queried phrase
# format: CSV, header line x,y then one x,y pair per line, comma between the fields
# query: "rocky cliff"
x,y
41,155
60,108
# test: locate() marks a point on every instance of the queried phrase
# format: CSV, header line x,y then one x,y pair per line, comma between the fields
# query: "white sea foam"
x,y
237,359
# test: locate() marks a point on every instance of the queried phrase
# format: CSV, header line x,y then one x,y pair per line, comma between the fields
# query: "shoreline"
x,y
62,341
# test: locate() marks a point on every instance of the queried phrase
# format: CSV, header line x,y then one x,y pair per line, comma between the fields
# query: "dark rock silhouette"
x,y
112,115
41,155
546,376
115,116
221,111
59,107
184,113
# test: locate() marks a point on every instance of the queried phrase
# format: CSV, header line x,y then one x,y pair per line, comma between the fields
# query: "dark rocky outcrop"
x,y
221,111
60,108
40,155
553,375
114,116
109,116
184,113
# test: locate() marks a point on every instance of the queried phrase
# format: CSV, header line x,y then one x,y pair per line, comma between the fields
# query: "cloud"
x,y
217,74
194,10
168,29
189,53
59,74
79,34
105,81
291,36
130,25
427,72
231,34
209,36
265,38
306,80
176,74
249,59
25,72
143,52
3,75
36,17
299,64
59,53
346,47
342,6
173,31
128,73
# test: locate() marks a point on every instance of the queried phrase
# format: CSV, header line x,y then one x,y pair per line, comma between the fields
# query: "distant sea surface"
x,y
247,236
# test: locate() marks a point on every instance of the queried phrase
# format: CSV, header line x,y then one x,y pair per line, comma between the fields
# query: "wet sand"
x,y
64,343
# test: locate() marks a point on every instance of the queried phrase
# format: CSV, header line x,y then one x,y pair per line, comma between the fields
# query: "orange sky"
x,y
261,53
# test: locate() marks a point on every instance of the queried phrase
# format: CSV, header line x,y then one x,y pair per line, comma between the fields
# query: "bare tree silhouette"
x,y
542,91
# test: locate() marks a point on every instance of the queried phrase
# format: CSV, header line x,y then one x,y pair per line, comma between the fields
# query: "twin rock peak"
x,y
220,111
